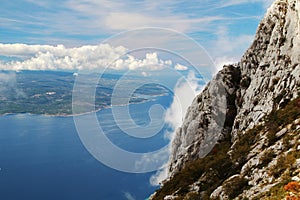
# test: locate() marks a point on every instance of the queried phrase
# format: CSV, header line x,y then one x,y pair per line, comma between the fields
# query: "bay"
x,y
42,157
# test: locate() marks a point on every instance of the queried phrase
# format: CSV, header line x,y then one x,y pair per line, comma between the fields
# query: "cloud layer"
x,y
184,93
77,22
103,56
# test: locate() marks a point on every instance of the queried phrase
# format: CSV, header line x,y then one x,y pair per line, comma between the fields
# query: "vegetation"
x,y
284,170
235,186
244,144
293,191
218,161
283,116
214,169
266,158
275,193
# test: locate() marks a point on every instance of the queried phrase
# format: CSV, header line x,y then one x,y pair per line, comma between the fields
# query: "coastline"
x,y
53,115
84,113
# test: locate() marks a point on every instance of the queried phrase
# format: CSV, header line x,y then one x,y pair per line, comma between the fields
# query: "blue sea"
x,y
42,158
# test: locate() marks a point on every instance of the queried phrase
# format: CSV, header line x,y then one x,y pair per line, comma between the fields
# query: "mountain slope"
x,y
254,138
256,166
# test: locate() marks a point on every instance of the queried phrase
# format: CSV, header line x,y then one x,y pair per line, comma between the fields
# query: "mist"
x,y
8,83
185,91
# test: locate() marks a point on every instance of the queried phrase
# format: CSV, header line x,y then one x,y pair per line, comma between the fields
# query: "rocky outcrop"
x,y
270,163
209,118
265,80
270,68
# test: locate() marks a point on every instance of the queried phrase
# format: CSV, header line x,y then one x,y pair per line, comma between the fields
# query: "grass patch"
x,y
283,116
218,162
212,170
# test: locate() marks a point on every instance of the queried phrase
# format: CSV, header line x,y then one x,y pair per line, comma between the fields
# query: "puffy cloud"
x,y
180,67
151,62
46,57
224,60
184,93
26,50
159,176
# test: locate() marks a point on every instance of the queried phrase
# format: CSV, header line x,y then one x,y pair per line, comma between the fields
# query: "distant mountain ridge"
x,y
262,122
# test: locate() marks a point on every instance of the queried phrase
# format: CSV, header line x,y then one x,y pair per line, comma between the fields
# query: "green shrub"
x,y
267,157
218,162
235,186
284,162
284,116
244,145
220,166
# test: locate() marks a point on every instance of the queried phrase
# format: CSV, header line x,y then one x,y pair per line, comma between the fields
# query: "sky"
x,y
51,34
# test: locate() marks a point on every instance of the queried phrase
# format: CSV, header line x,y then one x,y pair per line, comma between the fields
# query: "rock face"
x,y
270,68
209,118
265,80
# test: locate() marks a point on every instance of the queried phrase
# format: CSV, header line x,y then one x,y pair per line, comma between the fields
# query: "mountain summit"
x,y
258,148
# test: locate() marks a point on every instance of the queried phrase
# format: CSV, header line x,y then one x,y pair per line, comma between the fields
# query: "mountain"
x,y
255,154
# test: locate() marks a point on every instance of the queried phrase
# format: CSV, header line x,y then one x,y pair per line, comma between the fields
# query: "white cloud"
x,y
47,57
180,67
267,3
221,61
90,21
97,19
26,50
107,15
159,176
228,49
128,196
145,74
227,3
229,44
8,82
138,20
151,62
114,16
8,78
153,160
184,93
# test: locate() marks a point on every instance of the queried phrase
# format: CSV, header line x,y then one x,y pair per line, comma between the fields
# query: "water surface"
x,y
42,157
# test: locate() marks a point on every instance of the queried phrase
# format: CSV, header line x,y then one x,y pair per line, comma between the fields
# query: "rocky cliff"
x,y
257,146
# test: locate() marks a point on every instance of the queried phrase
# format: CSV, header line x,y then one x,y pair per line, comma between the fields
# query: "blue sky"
x,y
225,28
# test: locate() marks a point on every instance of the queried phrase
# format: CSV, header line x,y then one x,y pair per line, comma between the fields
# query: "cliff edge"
x,y
261,125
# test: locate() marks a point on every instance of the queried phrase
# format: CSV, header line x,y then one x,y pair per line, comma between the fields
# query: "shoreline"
x,y
80,114
54,115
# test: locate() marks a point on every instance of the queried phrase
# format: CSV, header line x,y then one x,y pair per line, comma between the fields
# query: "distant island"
x,y
50,92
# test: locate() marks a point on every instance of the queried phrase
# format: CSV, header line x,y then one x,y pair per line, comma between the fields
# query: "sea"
x,y
43,158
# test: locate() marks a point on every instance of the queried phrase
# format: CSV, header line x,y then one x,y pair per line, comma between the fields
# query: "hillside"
x,y
257,155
